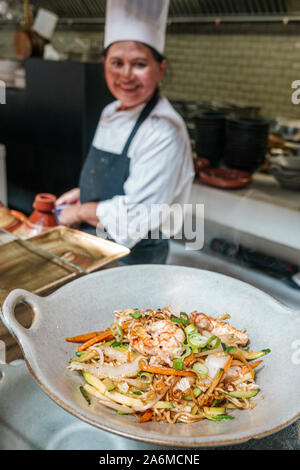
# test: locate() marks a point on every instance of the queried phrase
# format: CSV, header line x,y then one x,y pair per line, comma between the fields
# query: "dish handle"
x,y
3,368
8,311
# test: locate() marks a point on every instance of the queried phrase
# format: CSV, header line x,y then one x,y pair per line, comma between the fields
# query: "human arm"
x,y
70,197
78,213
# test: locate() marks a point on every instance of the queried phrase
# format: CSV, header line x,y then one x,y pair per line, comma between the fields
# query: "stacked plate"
x,y
20,80
246,143
285,168
210,136
7,71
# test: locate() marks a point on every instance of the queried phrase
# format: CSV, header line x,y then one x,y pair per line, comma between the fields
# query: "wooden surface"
x,y
24,316
52,258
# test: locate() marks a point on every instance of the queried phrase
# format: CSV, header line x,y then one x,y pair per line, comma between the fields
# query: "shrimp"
x,y
204,323
161,339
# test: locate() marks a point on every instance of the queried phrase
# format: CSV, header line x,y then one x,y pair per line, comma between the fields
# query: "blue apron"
x,y
103,176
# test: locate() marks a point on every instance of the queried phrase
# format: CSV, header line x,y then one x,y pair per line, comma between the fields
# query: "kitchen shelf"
x,y
264,209
76,12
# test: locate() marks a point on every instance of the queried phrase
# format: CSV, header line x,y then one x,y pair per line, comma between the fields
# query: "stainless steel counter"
x,y
263,209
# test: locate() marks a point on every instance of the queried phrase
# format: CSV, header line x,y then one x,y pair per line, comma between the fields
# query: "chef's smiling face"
x,y
132,73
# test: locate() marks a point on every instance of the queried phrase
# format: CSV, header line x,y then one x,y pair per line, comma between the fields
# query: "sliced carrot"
x,y
242,359
189,359
245,369
146,416
83,338
103,336
165,370
227,365
255,364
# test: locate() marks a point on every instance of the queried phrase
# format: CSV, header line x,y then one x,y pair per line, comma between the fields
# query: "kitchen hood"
x,y
183,11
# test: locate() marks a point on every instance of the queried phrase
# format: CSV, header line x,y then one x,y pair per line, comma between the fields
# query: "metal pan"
x,y
87,303
50,259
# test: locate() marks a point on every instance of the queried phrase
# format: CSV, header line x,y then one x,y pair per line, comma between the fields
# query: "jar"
x,y
44,210
42,218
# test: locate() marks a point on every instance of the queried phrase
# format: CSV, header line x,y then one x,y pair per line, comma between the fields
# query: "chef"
x,y
140,157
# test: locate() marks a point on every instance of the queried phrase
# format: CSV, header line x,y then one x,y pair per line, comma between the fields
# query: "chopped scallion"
x,y
147,377
196,392
213,339
190,329
109,343
121,347
230,349
200,369
186,351
195,340
183,319
116,331
178,363
136,315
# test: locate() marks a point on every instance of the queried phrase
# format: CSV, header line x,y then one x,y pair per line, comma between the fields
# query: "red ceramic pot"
x,y
44,214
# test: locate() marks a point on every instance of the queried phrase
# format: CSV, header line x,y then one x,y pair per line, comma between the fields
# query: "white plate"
x,y
87,305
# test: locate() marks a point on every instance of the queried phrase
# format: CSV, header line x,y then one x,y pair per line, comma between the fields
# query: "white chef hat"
x,y
45,23
136,20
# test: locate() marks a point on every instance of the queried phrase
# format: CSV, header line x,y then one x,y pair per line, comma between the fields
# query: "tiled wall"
x,y
248,64
251,65
6,37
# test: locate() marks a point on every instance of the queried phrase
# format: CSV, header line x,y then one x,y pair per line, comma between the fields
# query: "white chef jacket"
x,y
161,169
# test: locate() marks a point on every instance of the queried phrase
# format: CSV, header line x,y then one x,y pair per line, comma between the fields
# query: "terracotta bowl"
x,y
225,178
8,219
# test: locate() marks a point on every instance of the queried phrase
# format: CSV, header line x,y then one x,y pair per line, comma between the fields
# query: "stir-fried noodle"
x,y
158,366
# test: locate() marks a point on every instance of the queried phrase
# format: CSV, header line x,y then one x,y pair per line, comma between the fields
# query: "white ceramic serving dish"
x,y
87,304
289,179
286,162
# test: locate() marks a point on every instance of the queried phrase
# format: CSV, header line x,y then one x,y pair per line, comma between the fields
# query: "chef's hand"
x,y
70,197
77,213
